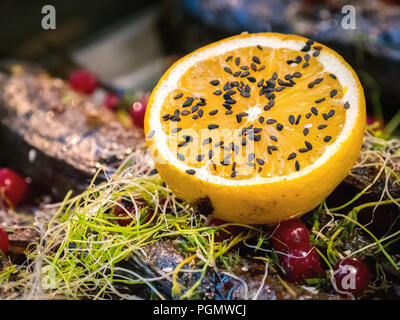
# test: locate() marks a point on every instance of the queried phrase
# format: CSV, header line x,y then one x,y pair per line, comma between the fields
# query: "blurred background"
x,y
127,45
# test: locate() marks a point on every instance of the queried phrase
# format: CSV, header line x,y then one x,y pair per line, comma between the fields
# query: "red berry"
x,y
290,233
120,212
12,187
221,235
4,241
138,111
111,101
351,276
83,81
301,263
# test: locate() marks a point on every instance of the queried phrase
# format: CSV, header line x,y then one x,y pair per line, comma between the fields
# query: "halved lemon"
x,y
256,128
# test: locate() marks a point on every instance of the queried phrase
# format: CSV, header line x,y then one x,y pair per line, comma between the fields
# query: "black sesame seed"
x,y
245,74
217,93
298,119
317,47
228,58
333,93
260,83
307,57
314,111
227,86
237,73
303,150
200,157
244,67
316,53
182,144
150,134
194,108
297,165
310,42
261,119
259,47
306,48
251,79
279,89
213,126
245,94
256,59
261,68
225,163
305,65
188,102
291,156
325,116
237,61
308,145
214,112
257,137
273,138
214,165
322,126
346,105
320,100
306,131
270,121
244,142
175,130
238,118
207,141
228,70
228,112
227,106
327,138
318,80
191,171
214,82
308,115
253,67
219,143
279,126
260,161
181,156
179,95
331,113
210,154
333,76
311,85
185,112
230,101
233,174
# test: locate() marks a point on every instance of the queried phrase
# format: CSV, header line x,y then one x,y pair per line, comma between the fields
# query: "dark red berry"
x,y
351,276
111,101
129,207
12,188
83,81
290,233
138,111
221,235
301,263
4,241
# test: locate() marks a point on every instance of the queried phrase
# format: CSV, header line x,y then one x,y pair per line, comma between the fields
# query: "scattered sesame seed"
x,y
291,119
261,119
316,53
260,161
217,93
237,61
333,93
292,156
150,134
322,126
327,138
297,165
228,58
180,156
188,102
228,70
191,171
333,76
305,65
270,121
306,131
346,105
256,59
273,138
214,82
207,141
308,145
175,130
279,126
210,154
213,126
200,157
314,111
320,100
308,115
179,95
233,174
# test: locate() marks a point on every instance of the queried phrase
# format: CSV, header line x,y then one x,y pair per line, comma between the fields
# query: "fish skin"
x,y
69,134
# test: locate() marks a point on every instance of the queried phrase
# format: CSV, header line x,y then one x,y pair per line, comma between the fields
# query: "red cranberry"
x,y
222,235
288,234
12,187
302,262
111,101
4,241
83,81
138,111
351,276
